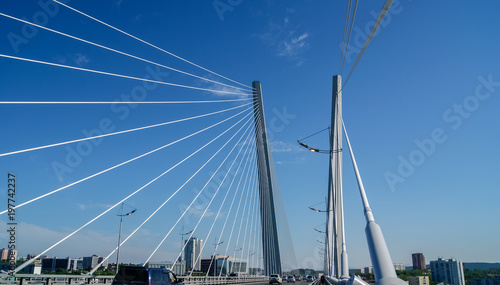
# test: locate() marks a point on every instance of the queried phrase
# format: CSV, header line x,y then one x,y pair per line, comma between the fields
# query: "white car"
x,y
290,279
275,278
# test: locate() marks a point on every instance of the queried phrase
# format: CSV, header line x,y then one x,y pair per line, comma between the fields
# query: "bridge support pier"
x,y
336,261
270,244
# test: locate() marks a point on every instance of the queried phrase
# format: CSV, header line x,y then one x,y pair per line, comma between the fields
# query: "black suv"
x,y
139,275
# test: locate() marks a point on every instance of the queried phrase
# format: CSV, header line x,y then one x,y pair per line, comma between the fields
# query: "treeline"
x,y
480,273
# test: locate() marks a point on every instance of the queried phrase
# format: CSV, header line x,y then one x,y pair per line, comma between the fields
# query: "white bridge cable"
x,y
238,207
256,235
149,44
202,250
253,204
119,52
381,15
260,249
247,155
347,40
119,102
194,230
251,243
126,162
245,189
257,215
121,75
181,187
344,35
247,173
122,132
223,201
118,203
243,216
250,206
201,191
255,230
267,223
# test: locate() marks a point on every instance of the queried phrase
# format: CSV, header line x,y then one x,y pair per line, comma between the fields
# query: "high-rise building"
x,y
192,254
4,253
418,260
450,271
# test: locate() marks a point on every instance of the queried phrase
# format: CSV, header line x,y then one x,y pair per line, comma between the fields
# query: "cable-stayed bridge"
x,y
205,171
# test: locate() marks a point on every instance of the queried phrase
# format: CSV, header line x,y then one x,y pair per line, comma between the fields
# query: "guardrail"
x,y
209,280
46,279
55,279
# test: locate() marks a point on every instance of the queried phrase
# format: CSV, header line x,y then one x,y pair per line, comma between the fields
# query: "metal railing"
x,y
55,279
210,280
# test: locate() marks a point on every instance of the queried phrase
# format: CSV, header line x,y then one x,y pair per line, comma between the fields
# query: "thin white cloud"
x,y
279,146
81,59
292,47
60,59
219,87
198,211
91,204
286,40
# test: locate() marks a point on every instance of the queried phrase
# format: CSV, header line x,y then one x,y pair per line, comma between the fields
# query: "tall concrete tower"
x,y
270,243
336,263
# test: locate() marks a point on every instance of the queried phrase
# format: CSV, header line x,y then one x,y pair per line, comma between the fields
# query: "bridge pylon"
x,y
270,243
336,261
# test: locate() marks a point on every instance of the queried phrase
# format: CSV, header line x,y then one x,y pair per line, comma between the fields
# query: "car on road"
x,y
290,279
140,275
275,278
309,278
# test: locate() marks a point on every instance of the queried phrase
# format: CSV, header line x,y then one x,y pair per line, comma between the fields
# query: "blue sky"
x,y
420,109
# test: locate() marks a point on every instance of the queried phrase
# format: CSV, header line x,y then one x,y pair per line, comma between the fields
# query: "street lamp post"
x,y
232,263
216,245
182,240
120,235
